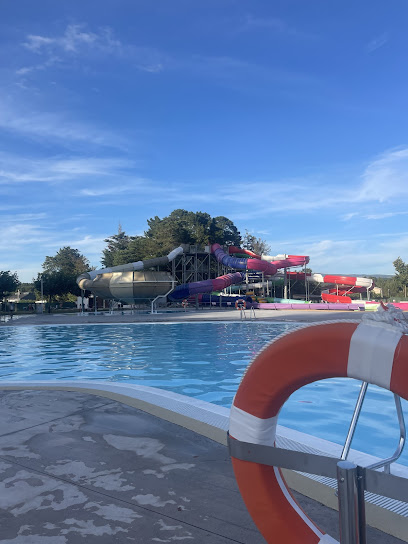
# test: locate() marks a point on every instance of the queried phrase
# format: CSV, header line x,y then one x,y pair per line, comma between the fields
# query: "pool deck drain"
x,y
75,466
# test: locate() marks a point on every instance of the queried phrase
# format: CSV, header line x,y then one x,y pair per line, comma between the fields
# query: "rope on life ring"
x,y
240,304
184,303
374,350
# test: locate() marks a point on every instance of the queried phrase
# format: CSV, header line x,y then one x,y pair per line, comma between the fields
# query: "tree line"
x,y
57,280
180,227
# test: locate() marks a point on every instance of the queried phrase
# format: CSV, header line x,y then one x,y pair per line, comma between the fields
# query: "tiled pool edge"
x,y
211,421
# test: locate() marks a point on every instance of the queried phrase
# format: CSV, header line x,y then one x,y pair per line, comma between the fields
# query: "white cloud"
x,y
371,216
273,24
376,43
18,235
91,246
386,178
24,245
78,42
53,60
384,215
19,217
55,127
74,38
17,170
349,216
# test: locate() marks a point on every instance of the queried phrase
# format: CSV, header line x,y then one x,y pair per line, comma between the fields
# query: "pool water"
x,y
201,360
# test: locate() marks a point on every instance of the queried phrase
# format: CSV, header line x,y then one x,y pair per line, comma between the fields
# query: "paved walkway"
x,y
76,468
214,314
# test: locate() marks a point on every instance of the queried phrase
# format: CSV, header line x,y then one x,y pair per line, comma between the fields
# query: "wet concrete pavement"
x,y
75,466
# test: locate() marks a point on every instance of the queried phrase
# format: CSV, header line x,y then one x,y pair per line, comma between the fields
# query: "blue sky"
x,y
288,117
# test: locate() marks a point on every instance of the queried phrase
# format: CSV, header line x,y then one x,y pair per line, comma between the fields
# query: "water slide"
x,y
344,285
131,281
206,286
280,261
255,262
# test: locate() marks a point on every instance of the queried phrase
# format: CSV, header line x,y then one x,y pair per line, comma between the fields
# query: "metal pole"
x,y
387,462
352,519
42,294
354,420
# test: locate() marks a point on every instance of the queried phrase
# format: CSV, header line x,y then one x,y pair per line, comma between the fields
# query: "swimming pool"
x,y
202,360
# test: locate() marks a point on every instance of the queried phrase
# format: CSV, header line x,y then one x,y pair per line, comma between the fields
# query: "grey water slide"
x,y
131,282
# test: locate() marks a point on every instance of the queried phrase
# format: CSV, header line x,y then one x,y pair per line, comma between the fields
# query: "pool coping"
x,y
212,421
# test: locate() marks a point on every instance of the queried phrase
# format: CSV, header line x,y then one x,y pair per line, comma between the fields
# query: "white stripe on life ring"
x,y
371,355
248,428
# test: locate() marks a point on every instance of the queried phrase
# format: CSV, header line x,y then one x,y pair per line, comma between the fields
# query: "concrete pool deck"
x,y
191,314
75,466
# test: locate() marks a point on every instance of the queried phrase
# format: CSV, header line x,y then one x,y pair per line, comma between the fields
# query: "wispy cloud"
x,y
55,127
371,216
348,216
376,43
386,178
17,235
138,185
384,215
275,25
51,61
78,41
22,170
74,39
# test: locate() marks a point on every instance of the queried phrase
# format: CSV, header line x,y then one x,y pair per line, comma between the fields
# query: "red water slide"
x,y
344,285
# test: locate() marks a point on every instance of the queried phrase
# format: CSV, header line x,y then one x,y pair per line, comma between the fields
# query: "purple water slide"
x,y
207,286
242,264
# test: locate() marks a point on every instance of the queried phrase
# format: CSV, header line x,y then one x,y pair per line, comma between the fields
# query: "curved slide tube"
x,y
348,284
242,264
280,261
85,280
207,286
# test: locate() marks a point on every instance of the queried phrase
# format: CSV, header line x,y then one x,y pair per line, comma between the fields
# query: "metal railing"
x,y
243,313
354,420
352,480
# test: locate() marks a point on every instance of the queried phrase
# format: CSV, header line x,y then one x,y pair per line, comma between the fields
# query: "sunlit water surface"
x,y
202,360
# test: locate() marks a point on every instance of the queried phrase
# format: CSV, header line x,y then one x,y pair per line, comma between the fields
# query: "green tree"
x,y
164,234
401,276
56,285
9,283
117,243
257,245
67,260
224,232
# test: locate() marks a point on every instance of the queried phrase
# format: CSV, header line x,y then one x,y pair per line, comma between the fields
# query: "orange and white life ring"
x,y
372,351
240,304
184,303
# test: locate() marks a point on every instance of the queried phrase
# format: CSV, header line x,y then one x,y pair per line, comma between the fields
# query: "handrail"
x,y
353,424
354,421
403,434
